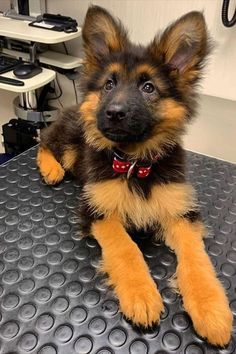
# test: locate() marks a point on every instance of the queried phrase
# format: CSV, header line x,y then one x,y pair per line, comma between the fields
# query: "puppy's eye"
x,y
109,85
148,87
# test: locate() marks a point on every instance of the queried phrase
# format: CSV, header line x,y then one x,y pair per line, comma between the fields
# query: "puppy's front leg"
x,y
128,273
49,167
203,295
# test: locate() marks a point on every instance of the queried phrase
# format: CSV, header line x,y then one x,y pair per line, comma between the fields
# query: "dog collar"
x,y
121,164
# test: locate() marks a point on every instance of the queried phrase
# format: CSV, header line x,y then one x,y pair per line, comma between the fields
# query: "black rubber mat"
x,y
52,299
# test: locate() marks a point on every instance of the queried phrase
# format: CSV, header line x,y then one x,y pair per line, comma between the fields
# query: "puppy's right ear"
x,y
102,34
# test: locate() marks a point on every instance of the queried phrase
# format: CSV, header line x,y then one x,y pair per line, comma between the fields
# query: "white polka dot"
x,y
141,172
122,167
117,166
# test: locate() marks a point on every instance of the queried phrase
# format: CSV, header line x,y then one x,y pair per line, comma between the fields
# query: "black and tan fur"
x,y
154,88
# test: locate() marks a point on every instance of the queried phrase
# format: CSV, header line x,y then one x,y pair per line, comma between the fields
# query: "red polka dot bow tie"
x,y
141,168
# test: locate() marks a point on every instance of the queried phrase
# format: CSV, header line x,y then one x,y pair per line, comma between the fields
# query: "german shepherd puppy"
x,y
123,143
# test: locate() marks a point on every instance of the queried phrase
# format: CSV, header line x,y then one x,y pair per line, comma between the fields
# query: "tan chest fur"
x,y
166,201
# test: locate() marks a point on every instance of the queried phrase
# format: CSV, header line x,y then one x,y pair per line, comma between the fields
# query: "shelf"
x,y
21,30
60,60
56,59
33,83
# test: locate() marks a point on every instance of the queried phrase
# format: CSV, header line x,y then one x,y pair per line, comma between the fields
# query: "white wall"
x,y
213,133
143,18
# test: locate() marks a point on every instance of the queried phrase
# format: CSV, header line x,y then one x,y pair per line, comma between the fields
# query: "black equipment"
x,y
19,135
55,23
8,63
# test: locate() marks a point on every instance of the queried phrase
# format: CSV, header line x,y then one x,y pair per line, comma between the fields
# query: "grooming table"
x,y
52,300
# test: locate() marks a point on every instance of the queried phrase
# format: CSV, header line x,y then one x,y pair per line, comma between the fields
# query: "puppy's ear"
x,y
183,46
102,34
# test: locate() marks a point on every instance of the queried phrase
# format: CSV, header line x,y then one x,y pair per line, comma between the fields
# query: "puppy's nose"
x,y
116,112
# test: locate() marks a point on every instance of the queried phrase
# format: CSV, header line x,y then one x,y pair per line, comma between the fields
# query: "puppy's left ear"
x,y
102,34
183,46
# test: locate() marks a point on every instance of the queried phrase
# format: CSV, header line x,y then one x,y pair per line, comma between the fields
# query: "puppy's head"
x,y
139,98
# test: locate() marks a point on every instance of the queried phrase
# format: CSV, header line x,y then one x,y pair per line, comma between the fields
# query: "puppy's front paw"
x,y
211,316
50,169
215,324
140,302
